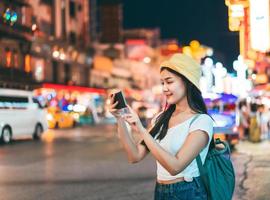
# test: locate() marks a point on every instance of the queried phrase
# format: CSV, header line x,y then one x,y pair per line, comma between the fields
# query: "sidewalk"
x,y
252,166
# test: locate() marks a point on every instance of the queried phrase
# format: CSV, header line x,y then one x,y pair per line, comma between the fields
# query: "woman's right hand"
x,y
112,107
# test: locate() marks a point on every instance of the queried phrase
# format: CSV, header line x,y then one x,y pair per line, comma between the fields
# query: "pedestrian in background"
x,y
173,140
254,127
243,120
263,114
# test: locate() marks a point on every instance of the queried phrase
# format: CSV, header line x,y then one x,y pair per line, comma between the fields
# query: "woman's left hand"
x,y
134,121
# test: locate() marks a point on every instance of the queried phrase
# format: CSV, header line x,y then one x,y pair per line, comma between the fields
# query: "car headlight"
x,y
49,117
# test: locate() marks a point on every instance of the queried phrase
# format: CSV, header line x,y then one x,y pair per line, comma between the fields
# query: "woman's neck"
x,y
182,107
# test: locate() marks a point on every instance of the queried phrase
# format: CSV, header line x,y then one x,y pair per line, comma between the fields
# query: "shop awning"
x,y
73,88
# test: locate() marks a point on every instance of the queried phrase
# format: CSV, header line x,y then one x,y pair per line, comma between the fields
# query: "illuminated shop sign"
x,y
259,25
236,14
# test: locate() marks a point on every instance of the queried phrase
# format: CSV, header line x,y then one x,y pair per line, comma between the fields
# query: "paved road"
x,y
252,163
88,163
73,164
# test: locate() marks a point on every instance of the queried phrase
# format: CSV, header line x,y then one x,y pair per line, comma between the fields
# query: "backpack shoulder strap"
x,y
200,165
198,158
193,119
203,175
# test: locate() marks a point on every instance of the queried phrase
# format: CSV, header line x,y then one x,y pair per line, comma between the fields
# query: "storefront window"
x,y
27,63
39,73
8,57
16,58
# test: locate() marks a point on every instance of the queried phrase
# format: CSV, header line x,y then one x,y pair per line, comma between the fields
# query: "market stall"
x,y
85,105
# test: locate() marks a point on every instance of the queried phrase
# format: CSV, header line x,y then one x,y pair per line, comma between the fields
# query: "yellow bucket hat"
x,y
186,66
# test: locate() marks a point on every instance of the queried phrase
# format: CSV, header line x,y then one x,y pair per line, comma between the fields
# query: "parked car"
x,y
20,115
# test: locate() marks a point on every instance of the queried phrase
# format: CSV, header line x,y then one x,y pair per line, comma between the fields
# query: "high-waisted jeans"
x,y
181,190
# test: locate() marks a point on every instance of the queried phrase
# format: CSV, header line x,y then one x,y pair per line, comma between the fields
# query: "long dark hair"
x,y
195,101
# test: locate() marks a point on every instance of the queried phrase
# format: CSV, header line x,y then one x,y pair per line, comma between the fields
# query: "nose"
x,y
165,88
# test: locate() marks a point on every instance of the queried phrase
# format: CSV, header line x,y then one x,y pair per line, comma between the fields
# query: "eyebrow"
x,y
167,78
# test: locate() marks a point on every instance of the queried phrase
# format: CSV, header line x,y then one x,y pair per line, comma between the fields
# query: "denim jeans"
x,y
181,190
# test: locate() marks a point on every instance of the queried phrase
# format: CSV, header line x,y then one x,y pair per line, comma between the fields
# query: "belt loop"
x,y
171,187
197,181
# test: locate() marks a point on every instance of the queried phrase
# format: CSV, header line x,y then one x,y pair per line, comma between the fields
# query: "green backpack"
x,y
217,173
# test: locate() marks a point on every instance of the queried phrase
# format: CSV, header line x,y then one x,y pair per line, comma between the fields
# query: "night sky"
x,y
185,20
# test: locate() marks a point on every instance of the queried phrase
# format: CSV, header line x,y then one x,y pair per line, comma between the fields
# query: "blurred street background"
x,y
59,60
89,163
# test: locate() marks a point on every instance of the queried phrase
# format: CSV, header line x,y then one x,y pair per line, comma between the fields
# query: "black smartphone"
x,y
119,96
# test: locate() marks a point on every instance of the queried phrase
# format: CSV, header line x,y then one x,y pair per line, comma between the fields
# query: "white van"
x,y
20,115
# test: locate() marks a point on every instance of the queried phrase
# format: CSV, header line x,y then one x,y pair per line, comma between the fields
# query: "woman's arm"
x,y
174,164
192,146
135,151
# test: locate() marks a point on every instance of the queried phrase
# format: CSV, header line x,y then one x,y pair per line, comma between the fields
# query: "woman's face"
x,y
173,87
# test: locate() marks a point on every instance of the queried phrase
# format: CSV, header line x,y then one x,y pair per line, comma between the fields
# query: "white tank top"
x,y
174,140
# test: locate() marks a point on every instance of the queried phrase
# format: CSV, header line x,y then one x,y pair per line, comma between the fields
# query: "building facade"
x,y
61,44
110,21
15,44
251,18
49,41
